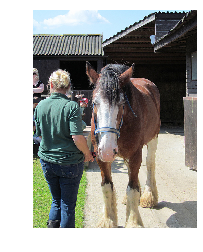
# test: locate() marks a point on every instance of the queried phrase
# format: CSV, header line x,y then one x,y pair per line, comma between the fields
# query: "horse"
x,y
125,117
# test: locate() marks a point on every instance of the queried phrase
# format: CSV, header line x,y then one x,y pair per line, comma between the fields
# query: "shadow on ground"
x,y
180,219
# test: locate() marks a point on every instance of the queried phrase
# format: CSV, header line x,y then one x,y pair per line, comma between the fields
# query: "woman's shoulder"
x,y
72,103
72,107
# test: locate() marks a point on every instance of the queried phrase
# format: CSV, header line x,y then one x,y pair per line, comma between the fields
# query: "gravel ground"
x,y
176,184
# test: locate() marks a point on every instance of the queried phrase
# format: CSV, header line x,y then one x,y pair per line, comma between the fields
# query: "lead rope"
x,y
126,98
94,119
121,122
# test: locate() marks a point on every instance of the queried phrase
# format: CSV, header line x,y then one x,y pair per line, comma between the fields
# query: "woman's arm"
x,y
39,89
81,144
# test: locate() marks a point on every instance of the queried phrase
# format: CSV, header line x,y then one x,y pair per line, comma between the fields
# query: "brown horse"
x,y
126,116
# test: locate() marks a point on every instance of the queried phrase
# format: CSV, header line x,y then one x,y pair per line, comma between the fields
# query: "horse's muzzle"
x,y
108,155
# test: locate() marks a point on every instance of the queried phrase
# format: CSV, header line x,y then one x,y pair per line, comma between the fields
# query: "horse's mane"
x,y
109,82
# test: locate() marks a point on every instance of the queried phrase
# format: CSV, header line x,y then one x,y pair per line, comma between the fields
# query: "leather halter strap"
x,y
107,129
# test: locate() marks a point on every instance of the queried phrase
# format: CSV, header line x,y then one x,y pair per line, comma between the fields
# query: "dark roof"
x,y
135,44
186,27
68,44
132,44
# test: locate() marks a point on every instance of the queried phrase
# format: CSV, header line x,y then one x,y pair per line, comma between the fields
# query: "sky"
x,y
106,22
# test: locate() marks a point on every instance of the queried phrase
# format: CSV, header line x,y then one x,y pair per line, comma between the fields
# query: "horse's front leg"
x,y
149,197
133,218
109,218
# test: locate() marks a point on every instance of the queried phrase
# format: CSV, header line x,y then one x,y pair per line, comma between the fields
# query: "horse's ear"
x,y
125,77
91,73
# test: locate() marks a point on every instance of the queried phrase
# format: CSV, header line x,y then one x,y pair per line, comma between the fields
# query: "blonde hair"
x,y
60,79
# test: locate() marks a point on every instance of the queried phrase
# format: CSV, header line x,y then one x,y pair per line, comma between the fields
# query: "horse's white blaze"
x,y
107,117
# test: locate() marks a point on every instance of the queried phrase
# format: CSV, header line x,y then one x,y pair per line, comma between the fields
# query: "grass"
x,y
42,198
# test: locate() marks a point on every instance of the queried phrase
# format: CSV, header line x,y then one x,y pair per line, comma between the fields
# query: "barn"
x,y
183,36
69,52
139,43
136,43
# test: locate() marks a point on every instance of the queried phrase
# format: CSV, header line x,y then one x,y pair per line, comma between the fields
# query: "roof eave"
x,y
143,22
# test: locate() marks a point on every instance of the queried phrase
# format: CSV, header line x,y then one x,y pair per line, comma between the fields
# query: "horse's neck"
x,y
131,92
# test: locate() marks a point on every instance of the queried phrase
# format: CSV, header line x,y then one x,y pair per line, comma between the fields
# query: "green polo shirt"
x,y
57,119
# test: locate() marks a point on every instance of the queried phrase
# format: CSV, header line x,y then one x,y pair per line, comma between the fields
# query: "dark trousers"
x,y
63,181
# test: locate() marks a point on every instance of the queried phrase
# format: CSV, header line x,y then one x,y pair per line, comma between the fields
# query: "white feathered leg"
x,y
133,218
109,218
149,197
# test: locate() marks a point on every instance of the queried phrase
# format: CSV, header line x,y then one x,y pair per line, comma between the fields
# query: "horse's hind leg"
x,y
109,218
133,218
149,197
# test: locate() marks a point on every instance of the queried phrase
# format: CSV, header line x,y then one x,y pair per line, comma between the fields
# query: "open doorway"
x,y
77,70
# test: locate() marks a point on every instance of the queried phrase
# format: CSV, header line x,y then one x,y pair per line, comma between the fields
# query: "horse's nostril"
x,y
115,152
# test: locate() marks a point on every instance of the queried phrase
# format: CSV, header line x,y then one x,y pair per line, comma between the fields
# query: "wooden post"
x,y
190,130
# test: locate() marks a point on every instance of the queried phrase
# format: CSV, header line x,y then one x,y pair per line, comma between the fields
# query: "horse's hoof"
x,y
131,224
148,199
106,223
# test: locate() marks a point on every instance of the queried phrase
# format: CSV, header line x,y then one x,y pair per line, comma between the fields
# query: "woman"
x,y
38,86
63,149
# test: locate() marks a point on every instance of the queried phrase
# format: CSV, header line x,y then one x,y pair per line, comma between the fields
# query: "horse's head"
x,y
108,106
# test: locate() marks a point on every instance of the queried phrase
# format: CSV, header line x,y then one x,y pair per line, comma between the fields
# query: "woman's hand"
x,y
81,144
89,157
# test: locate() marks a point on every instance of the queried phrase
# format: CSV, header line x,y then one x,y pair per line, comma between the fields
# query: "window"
x,y
194,65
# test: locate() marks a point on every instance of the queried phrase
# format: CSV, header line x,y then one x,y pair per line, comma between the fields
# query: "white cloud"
x,y
35,24
76,17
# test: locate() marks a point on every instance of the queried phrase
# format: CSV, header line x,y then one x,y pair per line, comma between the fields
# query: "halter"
x,y
109,129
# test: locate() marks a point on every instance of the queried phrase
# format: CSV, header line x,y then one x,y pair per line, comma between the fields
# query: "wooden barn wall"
x,y
191,85
190,131
170,80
